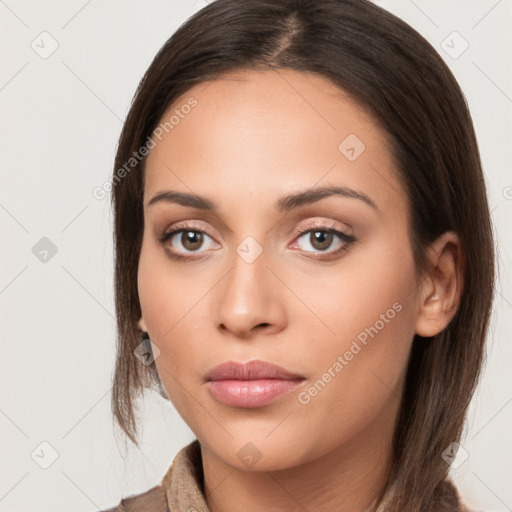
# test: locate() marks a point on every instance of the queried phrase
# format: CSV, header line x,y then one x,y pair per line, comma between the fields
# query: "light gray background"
x,y
61,117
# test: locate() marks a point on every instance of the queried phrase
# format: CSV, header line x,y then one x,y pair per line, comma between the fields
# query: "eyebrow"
x,y
283,204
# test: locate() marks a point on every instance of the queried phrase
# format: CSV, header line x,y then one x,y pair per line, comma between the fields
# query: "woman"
x,y
304,260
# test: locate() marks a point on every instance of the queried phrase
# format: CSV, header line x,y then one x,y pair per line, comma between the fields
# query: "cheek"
x,y
372,288
358,374
162,307
173,318
361,349
161,286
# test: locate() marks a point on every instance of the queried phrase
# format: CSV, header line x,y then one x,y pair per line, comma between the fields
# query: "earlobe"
x,y
142,325
441,290
431,317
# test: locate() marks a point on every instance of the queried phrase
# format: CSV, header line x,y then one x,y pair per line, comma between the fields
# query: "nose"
x,y
250,299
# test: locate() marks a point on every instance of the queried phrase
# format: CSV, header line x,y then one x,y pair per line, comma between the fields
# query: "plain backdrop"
x,y
68,73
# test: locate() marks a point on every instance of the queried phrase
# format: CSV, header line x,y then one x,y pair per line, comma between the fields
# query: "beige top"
x,y
182,489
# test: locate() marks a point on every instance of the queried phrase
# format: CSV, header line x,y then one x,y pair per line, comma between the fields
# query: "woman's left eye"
x,y
320,239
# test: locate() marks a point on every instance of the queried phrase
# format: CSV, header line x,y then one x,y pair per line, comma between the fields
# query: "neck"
x,y
348,478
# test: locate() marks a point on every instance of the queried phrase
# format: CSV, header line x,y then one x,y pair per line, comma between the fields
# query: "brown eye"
x,y
185,242
191,240
321,240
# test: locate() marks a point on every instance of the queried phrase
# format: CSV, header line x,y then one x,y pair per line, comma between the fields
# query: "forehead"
x,y
271,131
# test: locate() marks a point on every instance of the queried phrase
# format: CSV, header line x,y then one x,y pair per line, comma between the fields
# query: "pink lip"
x,y
252,384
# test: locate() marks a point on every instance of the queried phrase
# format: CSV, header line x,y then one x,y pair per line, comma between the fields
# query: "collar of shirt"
x,y
183,482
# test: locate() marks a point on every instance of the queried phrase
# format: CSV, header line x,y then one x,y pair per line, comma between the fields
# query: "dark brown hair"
x,y
397,76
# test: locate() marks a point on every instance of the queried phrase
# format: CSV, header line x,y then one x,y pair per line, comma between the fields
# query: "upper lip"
x,y
250,371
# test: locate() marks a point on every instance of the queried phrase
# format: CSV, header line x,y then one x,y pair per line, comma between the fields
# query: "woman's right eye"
x,y
181,241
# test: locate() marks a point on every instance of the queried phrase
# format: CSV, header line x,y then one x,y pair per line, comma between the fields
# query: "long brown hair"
x,y
393,72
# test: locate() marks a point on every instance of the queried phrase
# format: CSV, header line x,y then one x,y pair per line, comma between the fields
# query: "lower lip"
x,y
251,393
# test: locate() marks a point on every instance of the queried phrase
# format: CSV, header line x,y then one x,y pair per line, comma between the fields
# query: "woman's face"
x,y
259,278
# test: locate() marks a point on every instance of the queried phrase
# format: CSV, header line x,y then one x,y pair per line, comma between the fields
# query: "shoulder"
x,y
153,500
180,489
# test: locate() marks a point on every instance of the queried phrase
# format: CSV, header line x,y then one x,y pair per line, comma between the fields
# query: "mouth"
x,y
252,384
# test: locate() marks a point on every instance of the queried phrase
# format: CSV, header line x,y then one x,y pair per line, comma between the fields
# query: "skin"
x,y
254,137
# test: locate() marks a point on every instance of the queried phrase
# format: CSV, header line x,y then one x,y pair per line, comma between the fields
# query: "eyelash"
x,y
348,240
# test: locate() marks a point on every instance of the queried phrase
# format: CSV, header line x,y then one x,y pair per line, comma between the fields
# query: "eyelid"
x,y
321,224
191,226
316,223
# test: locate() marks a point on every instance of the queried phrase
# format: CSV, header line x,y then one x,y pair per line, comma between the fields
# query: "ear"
x,y
441,288
142,325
